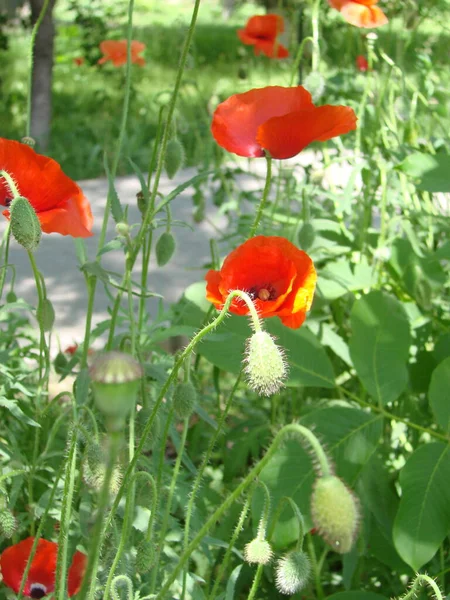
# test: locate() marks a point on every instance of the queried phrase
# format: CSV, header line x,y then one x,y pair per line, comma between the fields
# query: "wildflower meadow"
x,y
224,299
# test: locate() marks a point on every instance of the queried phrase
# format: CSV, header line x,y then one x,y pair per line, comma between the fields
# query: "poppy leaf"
x,y
429,170
439,394
423,518
17,412
379,346
113,198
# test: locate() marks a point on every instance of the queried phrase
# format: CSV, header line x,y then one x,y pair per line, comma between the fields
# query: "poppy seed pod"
x,y
25,225
258,551
334,510
266,367
115,380
292,572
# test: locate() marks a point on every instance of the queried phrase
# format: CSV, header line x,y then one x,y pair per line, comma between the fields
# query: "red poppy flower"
x,y
279,120
362,64
279,277
41,576
261,32
116,51
58,201
361,13
78,61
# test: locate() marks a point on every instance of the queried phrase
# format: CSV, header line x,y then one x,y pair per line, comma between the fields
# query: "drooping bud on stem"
x,y
266,367
292,572
25,225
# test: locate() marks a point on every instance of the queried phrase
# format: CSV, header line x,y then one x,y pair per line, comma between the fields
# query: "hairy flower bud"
x,y
266,367
334,510
174,157
184,399
165,247
292,572
25,225
145,556
115,380
258,551
8,523
46,314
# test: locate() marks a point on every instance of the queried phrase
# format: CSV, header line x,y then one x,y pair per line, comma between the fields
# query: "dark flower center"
x,y
264,292
38,590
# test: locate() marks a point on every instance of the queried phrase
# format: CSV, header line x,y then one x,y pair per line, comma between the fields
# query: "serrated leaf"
x,y
439,394
379,346
423,517
430,171
113,198
17,412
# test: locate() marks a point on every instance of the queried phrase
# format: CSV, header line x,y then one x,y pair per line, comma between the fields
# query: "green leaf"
x,y
17,412
338,278
351,437
429,170
423,517
379,346
231,584
356,595
113,198
439,394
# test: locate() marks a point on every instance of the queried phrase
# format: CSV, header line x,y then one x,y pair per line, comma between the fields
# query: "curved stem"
x,y
256,581
7,237
298,58
264,519
419,580
294,428
264,198
315,13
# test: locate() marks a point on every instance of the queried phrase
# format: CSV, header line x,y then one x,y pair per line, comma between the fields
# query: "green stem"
x,y
173,483
264,519
65,521
315,567
298,59
90,576
201,470
264,198
294,428
7,237
315,13
298,515
30,68
91,283
419,580
256,581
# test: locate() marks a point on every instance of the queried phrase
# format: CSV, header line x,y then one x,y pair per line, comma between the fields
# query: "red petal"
x,y
57,200
286,136
264,26
236,121
363,16
271,48
76,573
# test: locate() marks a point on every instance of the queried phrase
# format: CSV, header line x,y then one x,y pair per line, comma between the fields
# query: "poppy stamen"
x,y
38,590
264,293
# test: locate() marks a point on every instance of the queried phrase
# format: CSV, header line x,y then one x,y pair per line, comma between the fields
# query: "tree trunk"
x,y
41,88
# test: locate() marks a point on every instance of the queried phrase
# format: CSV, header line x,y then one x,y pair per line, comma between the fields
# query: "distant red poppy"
x,y
116,51
362,64
261,32
41,576
78,61
361,13
279,277
279,120
58,201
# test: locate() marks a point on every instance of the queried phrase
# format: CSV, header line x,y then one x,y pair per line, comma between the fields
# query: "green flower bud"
x,y
184,399
25,225
60,363
8,523
29,141
334,510
145,556
141,202
266,367
11,297
306,236
258,551
292,572
95,470
115,380
165,247
123,229
141,420
174,157
46,314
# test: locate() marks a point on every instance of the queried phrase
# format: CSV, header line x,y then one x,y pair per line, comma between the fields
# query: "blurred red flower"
x,y
58,201
362,64
361,13
261,32
279,277
116,51
78,61
41,576
279,120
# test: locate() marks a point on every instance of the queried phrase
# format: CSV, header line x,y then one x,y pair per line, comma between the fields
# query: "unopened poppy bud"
x,y
29,141
306,236
8,523
11,297
258,551
145,556
292,572
184,399
60,363
334,510
141,420
123,229
265,367
165,247
174,158
25,225
46,314
95,470
141,202
115,380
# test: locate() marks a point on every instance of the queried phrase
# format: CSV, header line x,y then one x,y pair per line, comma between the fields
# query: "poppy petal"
x,y
264,26
76,573
363,16
271,48
286,136
236,121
